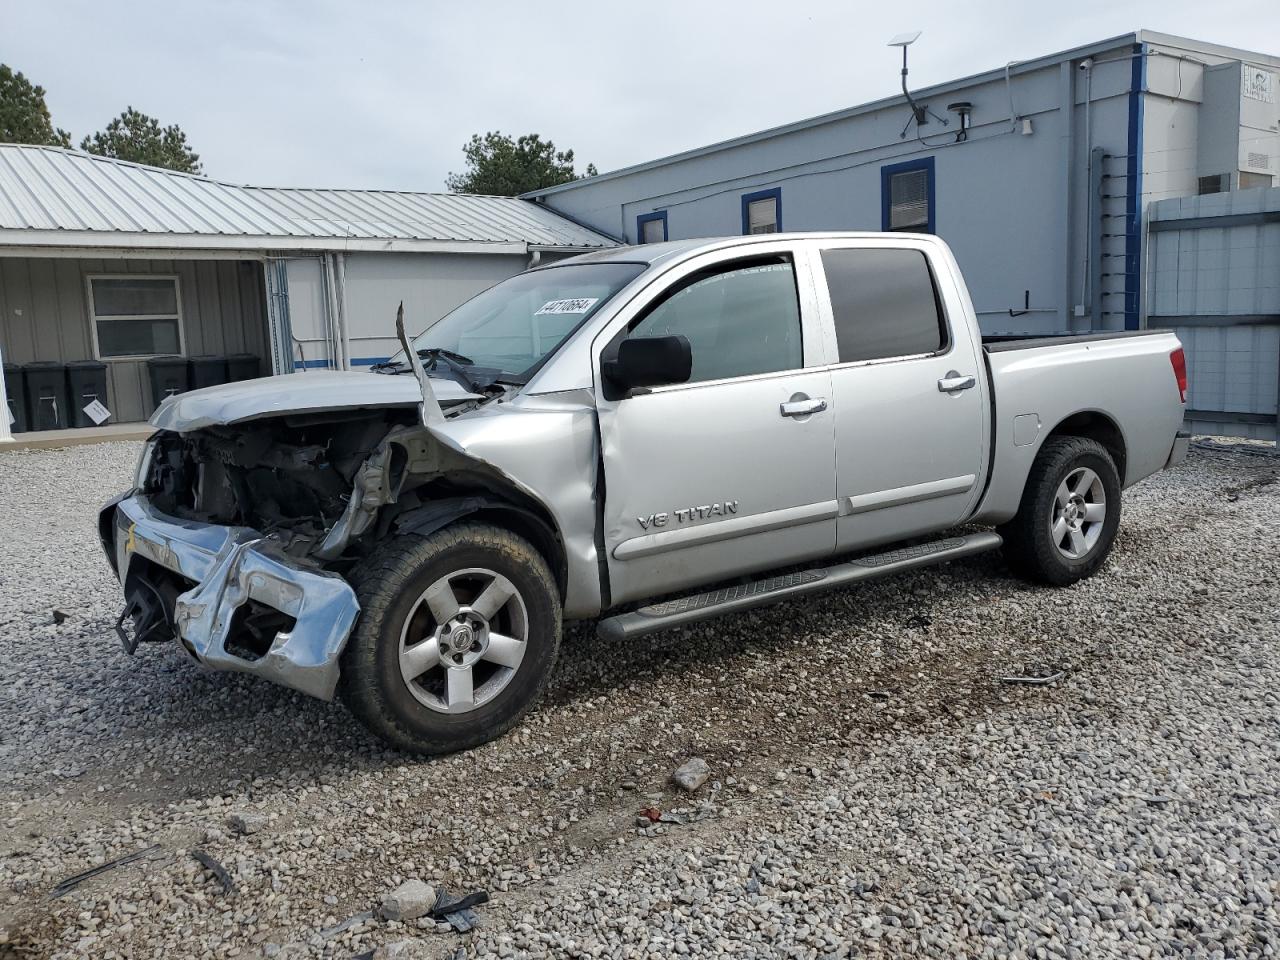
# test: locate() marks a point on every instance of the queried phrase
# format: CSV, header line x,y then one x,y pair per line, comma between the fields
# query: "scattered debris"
x,y
458,913
410,900
218,870
246,822
1151,798
69,884
1037,677
59,616
688,815
347,924
402,950
652,814
880,694
692,774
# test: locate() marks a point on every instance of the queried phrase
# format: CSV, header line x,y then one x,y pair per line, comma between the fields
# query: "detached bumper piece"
x,y
230,596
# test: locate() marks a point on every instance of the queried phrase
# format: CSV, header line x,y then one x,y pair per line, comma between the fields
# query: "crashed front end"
x,y
238,540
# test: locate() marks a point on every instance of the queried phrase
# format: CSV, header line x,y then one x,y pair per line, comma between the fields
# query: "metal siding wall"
x,y
44,315
1221,272
430,285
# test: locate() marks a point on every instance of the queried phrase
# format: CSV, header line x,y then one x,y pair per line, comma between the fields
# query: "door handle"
x,y
953,382
802,406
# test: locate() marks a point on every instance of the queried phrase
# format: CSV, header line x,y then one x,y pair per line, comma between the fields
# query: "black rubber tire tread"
x,y
1028,546
387,584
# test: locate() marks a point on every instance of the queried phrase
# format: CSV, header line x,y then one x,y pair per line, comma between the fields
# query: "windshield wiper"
x,y
456,363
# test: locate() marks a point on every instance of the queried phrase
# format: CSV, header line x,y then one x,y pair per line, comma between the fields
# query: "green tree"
x,y
500,166
24,116
139,138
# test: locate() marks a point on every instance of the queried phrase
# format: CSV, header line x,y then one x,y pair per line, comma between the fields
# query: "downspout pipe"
x,y
6,434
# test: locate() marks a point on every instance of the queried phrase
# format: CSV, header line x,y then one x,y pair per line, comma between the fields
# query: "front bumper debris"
x,y
229,566
1179,452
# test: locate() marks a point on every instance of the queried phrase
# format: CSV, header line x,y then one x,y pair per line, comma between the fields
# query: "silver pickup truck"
x,y
652,436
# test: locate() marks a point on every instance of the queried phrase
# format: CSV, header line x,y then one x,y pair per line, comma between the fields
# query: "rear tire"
x,y
457,636
1070,510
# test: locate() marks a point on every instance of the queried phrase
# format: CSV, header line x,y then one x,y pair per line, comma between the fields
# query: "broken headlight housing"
x,y
142,473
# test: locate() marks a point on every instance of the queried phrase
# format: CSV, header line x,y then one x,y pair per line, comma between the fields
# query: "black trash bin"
x,y
169,375
242,366
48,405
86,382
208,370
15,390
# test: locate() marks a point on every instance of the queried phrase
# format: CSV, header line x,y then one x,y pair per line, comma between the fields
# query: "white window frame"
x,y
94,318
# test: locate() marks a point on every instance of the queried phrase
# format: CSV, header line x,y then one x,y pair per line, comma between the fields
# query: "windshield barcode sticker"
x,y
578,305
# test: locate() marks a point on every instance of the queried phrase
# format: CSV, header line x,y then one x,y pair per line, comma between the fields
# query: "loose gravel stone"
x,y
692,774
906,803
409,901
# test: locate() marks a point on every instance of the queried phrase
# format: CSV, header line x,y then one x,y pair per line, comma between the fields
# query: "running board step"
x,y
715,603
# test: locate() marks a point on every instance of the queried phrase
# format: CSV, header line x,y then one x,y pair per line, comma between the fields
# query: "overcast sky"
x,y
383,94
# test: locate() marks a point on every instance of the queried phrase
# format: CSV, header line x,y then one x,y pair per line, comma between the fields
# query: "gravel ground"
x,y
875,788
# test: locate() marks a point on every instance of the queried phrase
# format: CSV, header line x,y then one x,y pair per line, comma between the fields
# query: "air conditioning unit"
x,y
1239,129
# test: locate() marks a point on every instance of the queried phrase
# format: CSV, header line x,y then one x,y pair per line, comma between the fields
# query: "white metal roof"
x,y
55,197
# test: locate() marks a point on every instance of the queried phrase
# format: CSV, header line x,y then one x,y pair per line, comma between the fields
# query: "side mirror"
x,y
649,362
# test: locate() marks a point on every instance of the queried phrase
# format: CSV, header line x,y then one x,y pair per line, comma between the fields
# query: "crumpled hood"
x,y
309,392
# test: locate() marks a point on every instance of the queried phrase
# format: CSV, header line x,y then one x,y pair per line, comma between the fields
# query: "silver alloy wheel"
x,y
1079,512
463,640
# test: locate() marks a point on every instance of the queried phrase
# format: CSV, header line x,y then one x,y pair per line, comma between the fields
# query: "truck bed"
x,y
1005,342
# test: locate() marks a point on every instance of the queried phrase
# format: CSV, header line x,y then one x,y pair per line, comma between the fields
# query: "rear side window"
x,y
884,302
740,319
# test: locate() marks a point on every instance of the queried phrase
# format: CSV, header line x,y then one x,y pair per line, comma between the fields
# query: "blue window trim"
x,y
649,218
774,194
1133,191
886,172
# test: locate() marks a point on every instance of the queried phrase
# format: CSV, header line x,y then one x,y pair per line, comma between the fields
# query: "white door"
x,y
908,391
731,472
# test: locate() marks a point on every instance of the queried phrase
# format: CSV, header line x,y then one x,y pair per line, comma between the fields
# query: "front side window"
x,y
514,326
740,319
135,316
884,303
907,199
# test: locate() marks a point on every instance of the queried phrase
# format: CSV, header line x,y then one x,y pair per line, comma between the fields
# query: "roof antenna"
x,y
920,112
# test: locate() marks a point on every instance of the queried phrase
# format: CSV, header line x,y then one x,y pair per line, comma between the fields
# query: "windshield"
x,y
513,326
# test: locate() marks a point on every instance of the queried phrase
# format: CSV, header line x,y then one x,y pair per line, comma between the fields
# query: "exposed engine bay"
x,y
324,487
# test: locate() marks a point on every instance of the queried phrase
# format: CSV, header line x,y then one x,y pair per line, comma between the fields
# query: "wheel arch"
x,y
509,508
1098,426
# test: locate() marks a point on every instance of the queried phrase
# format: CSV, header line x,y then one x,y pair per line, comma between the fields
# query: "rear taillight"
x,y
1179,361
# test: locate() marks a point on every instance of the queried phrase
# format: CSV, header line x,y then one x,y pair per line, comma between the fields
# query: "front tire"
x,y
457,636
1070,510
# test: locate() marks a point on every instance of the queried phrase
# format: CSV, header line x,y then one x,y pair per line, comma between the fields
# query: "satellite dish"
x,y
905,39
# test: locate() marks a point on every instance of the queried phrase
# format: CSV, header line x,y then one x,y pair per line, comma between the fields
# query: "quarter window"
x,y
740,320
884,303
135,316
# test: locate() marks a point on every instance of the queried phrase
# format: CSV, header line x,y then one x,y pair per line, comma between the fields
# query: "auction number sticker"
x,y
577,305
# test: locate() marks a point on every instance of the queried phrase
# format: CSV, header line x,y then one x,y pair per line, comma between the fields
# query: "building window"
x,y
1217,183
907,196
651,227
762,211
135,316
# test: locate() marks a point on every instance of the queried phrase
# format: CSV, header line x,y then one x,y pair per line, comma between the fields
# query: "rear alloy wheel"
x,y
457,635
1070,511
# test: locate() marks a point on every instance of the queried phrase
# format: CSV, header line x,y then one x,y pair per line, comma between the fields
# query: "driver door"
x,y
732,472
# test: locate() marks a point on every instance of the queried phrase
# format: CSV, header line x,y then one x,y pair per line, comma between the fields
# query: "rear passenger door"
x,y
908,387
